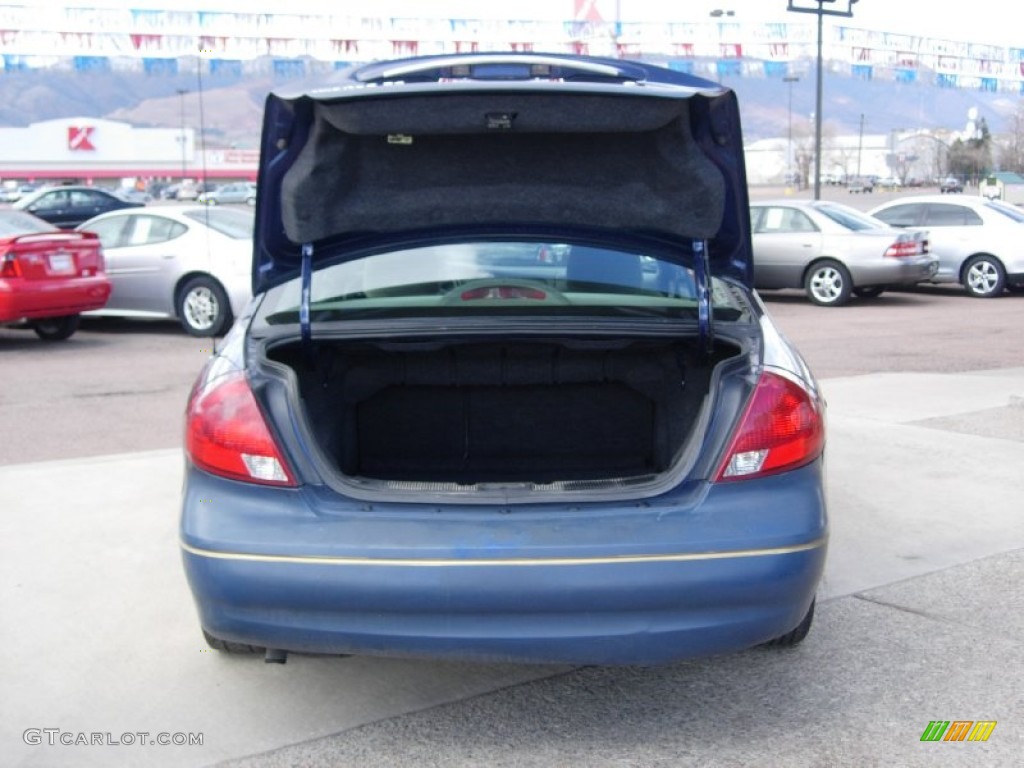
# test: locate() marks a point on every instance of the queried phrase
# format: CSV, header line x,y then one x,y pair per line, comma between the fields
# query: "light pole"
x,y
818,7
860,143
790,79
184,162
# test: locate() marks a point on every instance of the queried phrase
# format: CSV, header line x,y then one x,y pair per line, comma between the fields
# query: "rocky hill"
x,y
230,107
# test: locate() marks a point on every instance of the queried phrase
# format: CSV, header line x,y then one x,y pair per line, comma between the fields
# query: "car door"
x,y
785,242
143,260
86,203
954,233
55,207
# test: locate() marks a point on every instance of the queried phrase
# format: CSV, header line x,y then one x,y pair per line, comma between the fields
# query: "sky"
x,y
976,21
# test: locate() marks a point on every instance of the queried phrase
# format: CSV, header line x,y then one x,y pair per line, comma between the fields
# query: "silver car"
x,y
833,251
240,192
187,262
979,242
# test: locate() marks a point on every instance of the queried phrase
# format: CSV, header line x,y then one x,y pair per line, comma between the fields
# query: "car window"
x,y
14,223
950,215
500,278
86,197
782,219
110,231
907,215
51,200
147,230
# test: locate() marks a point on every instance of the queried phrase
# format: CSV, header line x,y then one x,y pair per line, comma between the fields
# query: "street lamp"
x,y
184,163
818,7
790,79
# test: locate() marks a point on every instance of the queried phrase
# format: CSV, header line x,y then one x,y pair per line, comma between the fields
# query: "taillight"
x,y
783,428
903,248
226,435
9,266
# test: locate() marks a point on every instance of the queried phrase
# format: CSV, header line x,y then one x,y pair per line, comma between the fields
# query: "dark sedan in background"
x,y
68,206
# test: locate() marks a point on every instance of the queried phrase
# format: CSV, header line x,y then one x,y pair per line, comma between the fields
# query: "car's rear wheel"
x,y
56,328
984,277
796,635
228,647
828,283
250,201
203,307
869,291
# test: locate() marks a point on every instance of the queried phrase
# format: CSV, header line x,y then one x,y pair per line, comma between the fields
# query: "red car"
x,y
48,276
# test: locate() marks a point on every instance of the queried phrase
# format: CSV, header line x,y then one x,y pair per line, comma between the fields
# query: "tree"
x,y
1011,149
972,159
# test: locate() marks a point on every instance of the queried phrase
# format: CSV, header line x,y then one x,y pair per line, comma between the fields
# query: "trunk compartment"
x,y
510,411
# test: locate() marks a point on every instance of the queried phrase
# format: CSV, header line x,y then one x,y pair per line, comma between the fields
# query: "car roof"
x,y
176,211
950,199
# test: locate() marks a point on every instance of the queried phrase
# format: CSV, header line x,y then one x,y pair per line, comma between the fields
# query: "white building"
x,y
91,149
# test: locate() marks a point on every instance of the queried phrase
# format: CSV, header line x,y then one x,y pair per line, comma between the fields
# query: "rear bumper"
x,y
640,585
22,299
904,271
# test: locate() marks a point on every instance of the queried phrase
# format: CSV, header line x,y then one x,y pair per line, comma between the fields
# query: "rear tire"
x,y
228,647
56,328
984,277
828,284
796,635
203,307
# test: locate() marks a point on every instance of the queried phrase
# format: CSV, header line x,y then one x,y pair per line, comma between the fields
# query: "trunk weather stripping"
x,y
702,268
305,325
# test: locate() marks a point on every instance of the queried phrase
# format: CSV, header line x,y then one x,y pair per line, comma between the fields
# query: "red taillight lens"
x,y
782,429
9,266
226,434
903,248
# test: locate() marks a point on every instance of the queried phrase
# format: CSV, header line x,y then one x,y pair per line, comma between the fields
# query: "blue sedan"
x,y
424,439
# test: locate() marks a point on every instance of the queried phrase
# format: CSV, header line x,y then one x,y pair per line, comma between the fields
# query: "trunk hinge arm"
x,y
305,326
705,314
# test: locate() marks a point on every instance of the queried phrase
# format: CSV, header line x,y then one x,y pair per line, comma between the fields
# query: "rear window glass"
x,y
500,278
850,218
14,223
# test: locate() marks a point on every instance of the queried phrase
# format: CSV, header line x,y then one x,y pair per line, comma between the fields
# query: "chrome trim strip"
x,y
516,561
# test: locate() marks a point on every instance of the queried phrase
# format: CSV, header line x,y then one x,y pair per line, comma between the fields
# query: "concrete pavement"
x,y
919,619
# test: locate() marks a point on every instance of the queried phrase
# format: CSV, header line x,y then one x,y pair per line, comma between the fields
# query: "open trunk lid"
x,y
436,148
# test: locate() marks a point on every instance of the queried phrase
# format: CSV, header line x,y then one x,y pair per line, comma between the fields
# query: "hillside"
x,y
231,107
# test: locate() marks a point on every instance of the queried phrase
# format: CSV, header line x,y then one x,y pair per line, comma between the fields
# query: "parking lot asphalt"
x,y
920,619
